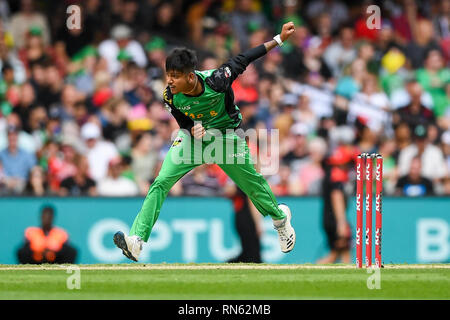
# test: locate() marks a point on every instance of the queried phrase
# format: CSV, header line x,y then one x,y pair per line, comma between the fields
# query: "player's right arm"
x,y
222,78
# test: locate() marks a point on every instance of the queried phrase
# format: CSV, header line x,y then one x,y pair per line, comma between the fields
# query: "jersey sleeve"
x,y
222,78
183,121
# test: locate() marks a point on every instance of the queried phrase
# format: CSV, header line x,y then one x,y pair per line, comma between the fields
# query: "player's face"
x,y
179,81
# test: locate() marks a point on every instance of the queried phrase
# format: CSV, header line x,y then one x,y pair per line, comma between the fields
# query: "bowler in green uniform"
x,y
202,102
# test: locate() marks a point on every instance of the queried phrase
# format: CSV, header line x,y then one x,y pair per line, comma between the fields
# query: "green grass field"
x,y
224,281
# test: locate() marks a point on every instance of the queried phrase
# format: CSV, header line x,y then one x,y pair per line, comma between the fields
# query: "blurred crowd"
x,y
81,110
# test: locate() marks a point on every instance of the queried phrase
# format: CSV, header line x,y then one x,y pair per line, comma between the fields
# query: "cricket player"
x,y
203,101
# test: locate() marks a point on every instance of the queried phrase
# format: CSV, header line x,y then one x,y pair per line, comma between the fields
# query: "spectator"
x,y
51,94
405,20
245,87
312,63
128,15
144,161
317,93
115,129
366,52
243,19
17,163
403,136
446,147
37,183
414,184
78,184
47,243
167,22
8,55
385,40
441,21
121,39
35,50
415,112
99,152
26,18
299,147
61,164
433,164
371,105
418,48
27,101
433,78
156,55
388,149
347,86
323,31
282,183
337,10
114,184
305,113
311,174
341,52
393,73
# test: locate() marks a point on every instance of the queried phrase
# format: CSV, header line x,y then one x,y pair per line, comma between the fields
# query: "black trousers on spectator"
x,y
67,254
246,229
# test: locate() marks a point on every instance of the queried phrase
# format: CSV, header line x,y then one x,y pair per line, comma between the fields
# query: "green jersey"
x,y
214,107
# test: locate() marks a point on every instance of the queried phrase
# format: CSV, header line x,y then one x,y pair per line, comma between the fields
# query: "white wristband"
x,y
277,38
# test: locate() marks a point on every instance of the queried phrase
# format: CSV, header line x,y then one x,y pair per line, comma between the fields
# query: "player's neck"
x,y
196,89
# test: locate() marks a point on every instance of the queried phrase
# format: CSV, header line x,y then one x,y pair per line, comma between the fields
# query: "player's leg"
x,y
179,161
252,183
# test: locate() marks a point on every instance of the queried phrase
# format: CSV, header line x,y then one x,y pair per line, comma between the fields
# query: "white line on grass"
x,y
215,267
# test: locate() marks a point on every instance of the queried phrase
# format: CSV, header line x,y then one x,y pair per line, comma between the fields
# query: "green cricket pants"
x,y
229,151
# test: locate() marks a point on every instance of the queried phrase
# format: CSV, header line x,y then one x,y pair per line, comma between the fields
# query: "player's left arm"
x,y
222,78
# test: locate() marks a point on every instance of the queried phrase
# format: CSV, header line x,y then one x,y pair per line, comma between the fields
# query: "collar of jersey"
x,y
203,88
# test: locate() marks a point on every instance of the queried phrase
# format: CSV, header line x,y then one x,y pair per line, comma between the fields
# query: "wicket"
x,y
364,172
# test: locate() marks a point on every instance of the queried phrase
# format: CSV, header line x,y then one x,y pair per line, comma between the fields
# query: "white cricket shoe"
x,y
131,246
286,234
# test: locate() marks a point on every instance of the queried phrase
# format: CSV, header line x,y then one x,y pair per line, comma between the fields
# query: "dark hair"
x,y
6,66
48,209
181,59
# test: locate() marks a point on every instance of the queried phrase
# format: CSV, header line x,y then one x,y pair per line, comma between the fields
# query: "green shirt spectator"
x,y
434,78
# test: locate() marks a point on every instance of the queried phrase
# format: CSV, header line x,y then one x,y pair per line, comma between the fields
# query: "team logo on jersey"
x,y
166,97
184,108
227,72
177,141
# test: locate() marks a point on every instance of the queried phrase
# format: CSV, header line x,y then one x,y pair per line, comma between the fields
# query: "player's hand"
x,y
287,30
198,131
343,229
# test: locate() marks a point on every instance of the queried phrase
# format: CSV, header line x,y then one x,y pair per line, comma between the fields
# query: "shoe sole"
x,y
289,220
119,241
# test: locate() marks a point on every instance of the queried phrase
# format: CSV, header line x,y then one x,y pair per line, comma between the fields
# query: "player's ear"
x,y
191,77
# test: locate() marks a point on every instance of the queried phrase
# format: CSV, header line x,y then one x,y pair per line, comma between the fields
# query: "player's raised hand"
x,y
287,30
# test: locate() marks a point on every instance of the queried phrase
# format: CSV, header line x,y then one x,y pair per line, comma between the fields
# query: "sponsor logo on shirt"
x,y
177,141
227,72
